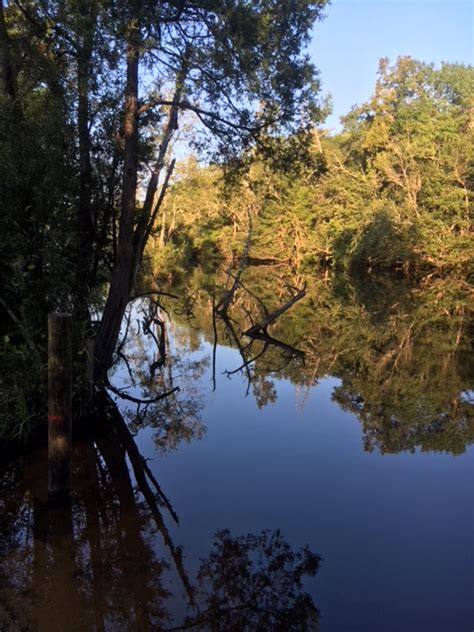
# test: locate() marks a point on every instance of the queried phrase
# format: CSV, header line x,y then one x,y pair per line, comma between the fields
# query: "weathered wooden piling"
x,y
59,404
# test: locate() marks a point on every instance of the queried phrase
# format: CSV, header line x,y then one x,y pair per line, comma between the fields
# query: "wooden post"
x,y
59,404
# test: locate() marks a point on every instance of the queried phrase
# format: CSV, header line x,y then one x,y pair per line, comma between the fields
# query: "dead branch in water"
x,y
225,302
137,400
270,318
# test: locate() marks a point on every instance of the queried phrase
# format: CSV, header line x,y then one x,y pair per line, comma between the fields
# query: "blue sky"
x,y
357,33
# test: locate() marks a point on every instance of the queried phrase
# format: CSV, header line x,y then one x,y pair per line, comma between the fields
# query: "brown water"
x,y
360,449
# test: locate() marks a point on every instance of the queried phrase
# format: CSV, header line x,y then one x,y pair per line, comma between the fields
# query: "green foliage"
x,y
242,74
384,245
21,383
392,191
36,188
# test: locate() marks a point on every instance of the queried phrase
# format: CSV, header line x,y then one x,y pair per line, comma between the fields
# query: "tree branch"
x,y
270,318
137,400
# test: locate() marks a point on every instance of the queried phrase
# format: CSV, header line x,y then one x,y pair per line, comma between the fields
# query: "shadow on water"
x,y
106,560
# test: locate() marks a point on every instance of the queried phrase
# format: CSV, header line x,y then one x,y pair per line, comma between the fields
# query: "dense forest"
x,y
392,191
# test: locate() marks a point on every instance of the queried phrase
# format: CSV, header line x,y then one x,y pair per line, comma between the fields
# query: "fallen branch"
x,y
225,302
270,318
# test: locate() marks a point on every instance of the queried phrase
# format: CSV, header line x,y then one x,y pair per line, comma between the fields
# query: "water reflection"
x,y
156,375
111,559
107,561
403,353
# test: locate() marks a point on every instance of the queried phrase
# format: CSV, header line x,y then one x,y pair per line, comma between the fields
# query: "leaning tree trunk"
x,y
121,282
133,238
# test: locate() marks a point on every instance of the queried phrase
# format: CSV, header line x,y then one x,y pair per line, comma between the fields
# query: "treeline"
x,y
392,191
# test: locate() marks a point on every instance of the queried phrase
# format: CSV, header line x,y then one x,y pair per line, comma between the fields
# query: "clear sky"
x,y
357,33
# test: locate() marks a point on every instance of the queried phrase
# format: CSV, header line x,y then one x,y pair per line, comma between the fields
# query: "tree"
x,y
393,191
207,56
414,137
94,95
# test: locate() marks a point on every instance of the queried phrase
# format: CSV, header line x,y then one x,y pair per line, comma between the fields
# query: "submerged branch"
x,y
270,318
236,339
269,340
214,345
224,304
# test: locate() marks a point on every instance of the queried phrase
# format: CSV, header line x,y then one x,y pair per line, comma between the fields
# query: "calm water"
x,y
350,431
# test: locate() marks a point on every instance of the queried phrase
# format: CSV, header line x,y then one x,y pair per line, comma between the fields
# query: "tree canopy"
x,y
392,191
94,95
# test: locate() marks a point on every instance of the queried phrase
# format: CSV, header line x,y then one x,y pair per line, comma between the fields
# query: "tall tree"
x,y
238,67
103,88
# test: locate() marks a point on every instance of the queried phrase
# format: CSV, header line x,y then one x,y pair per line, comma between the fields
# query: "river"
x,y
320,477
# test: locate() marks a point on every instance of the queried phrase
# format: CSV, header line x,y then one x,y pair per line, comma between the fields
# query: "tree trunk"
x,y
121,282
132,240
7,70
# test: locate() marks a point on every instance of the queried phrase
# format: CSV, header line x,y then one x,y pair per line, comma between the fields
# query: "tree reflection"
x,y
403,352
408,382
106,560
161,381
254,583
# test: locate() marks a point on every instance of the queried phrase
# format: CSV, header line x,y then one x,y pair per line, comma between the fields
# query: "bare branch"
x,y
207,114
270,318
269,340
137,400
227,299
